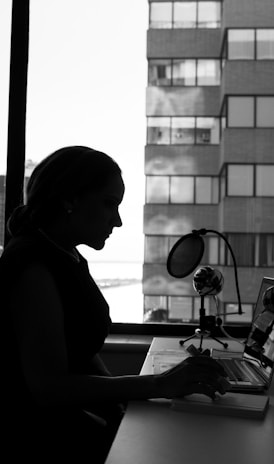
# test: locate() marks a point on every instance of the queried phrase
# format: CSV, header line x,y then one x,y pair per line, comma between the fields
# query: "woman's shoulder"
x,y
20,247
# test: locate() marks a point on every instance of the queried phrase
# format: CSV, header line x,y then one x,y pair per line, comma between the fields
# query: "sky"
x,y
86,86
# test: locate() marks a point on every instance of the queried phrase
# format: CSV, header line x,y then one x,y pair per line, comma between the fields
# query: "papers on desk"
x,y
230,404
161,362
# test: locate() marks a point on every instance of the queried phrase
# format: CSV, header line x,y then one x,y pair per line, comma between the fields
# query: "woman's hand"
x,y
198,374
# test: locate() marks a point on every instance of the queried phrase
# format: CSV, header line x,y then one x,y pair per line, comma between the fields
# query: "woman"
x,y
60,395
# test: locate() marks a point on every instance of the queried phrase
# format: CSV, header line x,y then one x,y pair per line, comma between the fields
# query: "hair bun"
x,y
19,219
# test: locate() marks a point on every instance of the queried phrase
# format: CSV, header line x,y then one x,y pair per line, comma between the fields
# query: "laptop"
x,y
252,370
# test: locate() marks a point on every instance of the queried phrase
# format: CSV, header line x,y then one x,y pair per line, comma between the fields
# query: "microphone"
x,y
187,252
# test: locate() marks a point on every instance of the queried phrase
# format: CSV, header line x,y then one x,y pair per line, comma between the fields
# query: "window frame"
x,y
116,328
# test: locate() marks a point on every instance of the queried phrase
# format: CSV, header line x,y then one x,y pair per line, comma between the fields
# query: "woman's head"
x,y
64,176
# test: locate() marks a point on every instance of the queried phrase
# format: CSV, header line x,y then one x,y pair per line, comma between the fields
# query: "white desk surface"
x,y
151,432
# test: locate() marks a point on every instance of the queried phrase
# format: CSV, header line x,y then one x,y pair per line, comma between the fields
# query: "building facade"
x,y
209,155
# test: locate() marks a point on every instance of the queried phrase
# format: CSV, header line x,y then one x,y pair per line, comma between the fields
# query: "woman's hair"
x,y
63,175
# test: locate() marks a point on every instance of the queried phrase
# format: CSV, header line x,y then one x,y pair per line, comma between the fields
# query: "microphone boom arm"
x,y
204,232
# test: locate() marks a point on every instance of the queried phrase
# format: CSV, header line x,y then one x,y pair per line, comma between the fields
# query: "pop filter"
x,y
185,255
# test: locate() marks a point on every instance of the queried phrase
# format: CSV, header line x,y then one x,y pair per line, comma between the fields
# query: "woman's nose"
x,y
118,221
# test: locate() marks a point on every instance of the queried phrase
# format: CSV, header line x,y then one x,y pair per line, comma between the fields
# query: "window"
x,y
265,44
264,252
182,130
250,111
182,189
243,246
250,180
158,130
159,72
185,14
231,315
209,14
241,112
60,112
264,181
183,72
160,15
157,189
253,250
265,112
208,72
156,249
250,44
241,44
240,180
207,190
207,131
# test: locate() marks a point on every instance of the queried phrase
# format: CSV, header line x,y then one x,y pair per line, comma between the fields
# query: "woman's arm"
x,y
39,323
98,366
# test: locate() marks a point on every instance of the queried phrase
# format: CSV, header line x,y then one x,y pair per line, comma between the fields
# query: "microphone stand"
x,y
206,326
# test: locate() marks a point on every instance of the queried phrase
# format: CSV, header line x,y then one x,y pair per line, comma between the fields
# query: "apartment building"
x,y
209,155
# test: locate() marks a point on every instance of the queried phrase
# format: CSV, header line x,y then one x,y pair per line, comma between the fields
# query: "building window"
x,y
180,72
265,44
232,316
249,180
208,72
241,44
209,14
184,72
264,250
157,189
240,180
161,15
156,249
185,15
264,181
207,131
180,308
265,112
250,44
240,112
182,189
249,111
177,130
159,72
243,246
254,250
207,190
158,130
182,131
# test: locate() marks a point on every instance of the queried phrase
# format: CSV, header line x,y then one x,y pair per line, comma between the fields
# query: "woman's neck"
x,y
59,239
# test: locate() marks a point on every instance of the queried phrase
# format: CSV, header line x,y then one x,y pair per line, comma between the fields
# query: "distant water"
x,y
125,301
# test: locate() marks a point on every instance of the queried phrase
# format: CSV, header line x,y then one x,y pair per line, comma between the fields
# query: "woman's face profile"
x,y
95,214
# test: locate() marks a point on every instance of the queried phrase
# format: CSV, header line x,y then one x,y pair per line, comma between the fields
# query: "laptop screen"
x,y
260,343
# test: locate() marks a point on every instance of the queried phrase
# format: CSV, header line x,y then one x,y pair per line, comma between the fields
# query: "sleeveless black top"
x,y
86,312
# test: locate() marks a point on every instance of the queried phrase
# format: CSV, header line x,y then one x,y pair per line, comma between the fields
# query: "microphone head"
x,y
208,281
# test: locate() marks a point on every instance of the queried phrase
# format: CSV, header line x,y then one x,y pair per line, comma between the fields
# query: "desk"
x,y
153,433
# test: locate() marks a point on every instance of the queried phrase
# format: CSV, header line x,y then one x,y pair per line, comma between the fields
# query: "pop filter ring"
x,y
196,261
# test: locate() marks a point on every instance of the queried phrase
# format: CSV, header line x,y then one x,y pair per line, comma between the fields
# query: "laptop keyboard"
x,y
237,370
